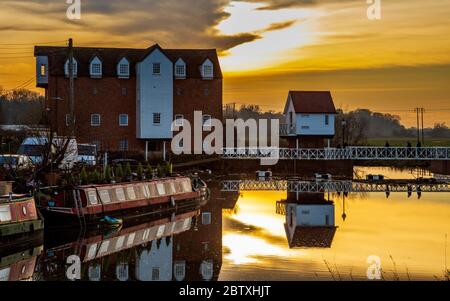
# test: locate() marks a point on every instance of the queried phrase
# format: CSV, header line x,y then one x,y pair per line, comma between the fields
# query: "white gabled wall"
x,y
154,95
310,215
314,124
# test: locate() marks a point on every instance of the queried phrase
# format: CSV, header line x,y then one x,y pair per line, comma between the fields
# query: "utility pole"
x,y
417,110
71,87
423,127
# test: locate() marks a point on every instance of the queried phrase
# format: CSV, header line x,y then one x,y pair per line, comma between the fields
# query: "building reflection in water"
x,y
18,258
310,220
186,246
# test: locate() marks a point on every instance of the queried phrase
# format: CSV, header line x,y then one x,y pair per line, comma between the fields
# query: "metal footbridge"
x,y
344,186
348,153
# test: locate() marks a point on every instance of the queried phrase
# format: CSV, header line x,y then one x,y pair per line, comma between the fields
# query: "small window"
x,y
155,274
207,121
179,120
124,69
67,119
124,91
96,69
207,71
327,119
180,71
206,218
156,118
305,115
96,120
94,91
123,119
305,212
305,127
157,68
43,70
123,145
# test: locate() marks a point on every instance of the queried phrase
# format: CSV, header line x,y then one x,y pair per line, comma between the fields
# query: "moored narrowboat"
x,y
87,205
18,218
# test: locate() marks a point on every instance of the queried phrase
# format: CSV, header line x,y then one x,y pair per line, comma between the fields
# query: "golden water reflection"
x,y
409,236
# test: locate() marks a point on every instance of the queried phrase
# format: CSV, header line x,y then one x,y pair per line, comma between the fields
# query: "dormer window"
x,y
207,70
96,68
123,68
180,69
75,68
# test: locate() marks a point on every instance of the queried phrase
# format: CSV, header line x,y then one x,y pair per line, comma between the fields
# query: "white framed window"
x,y
43,70
327,119
96,68
179,120
179,270
180,69
206,218
75,68
156,68
123,68
207,121
123,145
123,119
96,120
207,70
156,118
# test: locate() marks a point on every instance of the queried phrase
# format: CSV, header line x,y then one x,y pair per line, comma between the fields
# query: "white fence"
x,y
348,153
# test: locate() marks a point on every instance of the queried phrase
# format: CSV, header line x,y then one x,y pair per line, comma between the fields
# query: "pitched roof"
x,y
312,102
110,57
311,237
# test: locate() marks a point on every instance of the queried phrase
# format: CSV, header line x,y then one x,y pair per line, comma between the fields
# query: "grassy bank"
x,y
432,142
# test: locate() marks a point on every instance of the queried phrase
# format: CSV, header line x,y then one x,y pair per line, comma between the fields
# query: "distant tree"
x,y
128,172
140,171
119,172
440,130
83,176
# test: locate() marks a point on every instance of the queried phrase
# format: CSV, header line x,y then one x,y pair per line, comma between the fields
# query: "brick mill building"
x,y
125,100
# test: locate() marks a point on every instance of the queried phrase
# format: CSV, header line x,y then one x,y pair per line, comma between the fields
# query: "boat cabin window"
x,y
104,196
146,191
153,191
92,251
161,189
5,214
161,230
120,194
120,242
130,192
187,187
92,196
171,186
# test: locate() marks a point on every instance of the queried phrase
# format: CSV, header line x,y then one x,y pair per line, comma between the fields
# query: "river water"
x,y
243,237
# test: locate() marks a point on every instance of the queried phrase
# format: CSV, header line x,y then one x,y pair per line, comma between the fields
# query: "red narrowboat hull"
x,y
128,200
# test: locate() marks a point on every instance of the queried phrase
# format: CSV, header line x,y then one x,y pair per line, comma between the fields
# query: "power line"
x,y
32,44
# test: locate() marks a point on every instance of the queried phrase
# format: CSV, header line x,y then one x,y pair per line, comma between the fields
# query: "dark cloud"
x,y
281,4
171,23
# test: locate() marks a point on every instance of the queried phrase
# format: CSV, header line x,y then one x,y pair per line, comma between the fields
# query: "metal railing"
x,y
331,186
348,153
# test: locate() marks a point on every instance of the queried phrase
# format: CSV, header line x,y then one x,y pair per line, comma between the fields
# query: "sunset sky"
x,y
267,47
